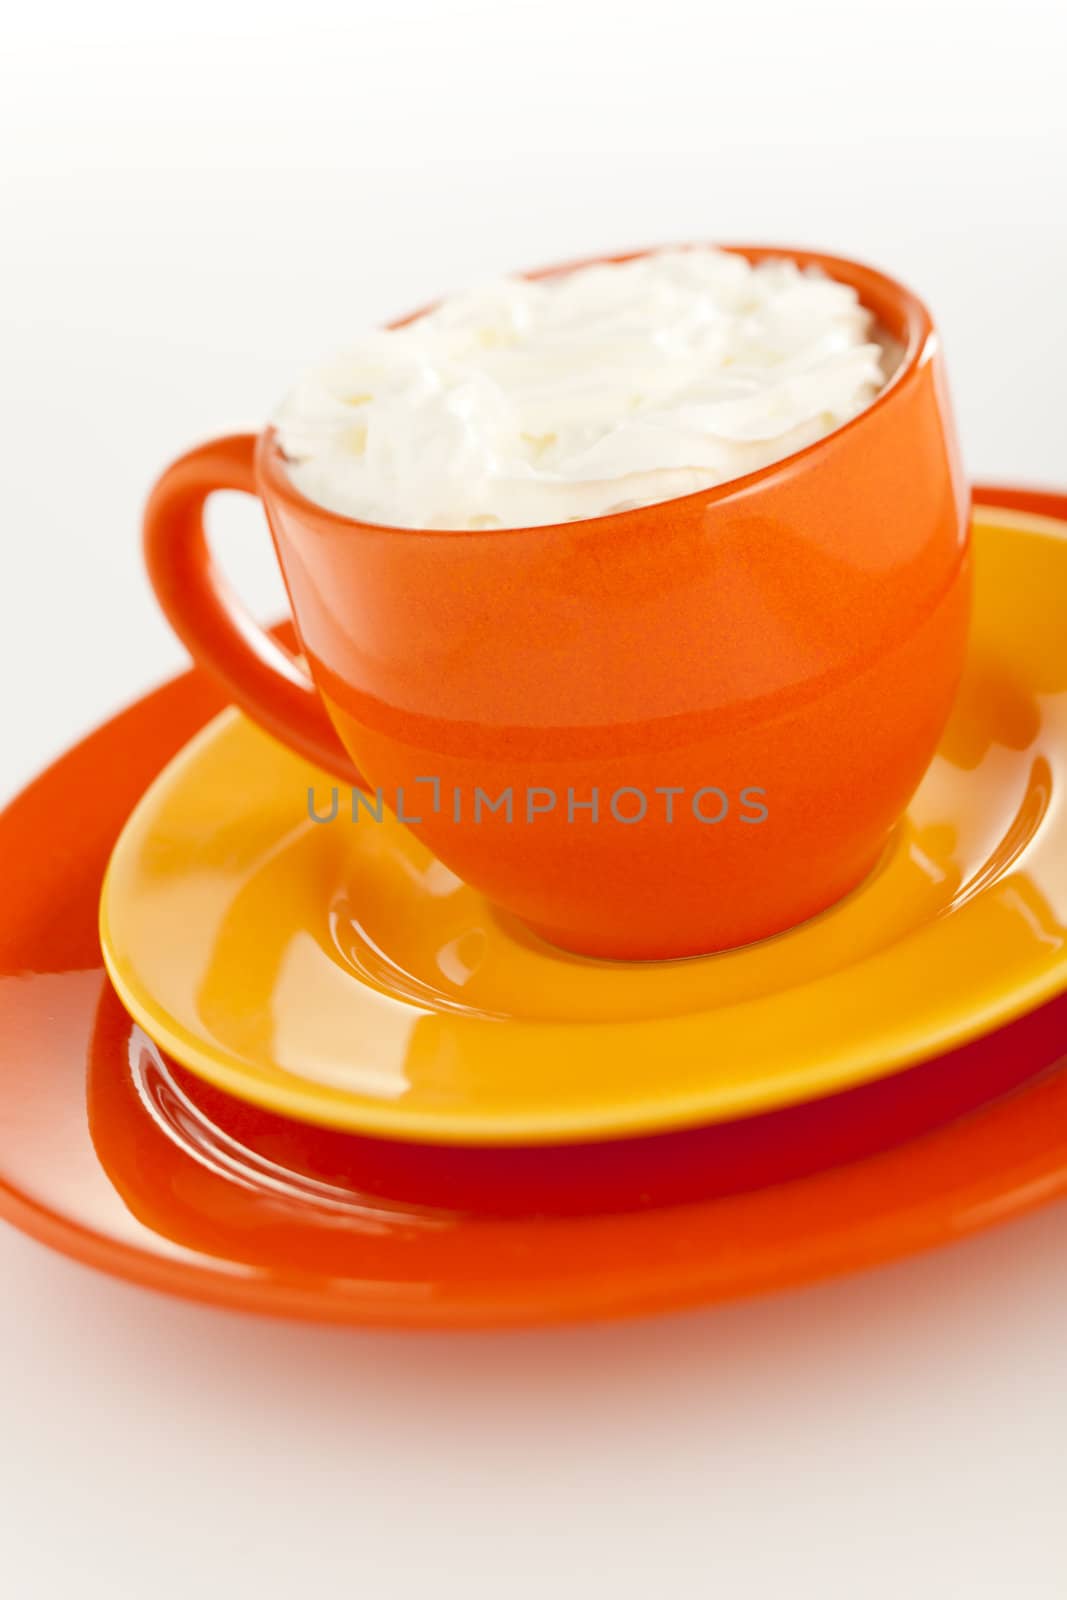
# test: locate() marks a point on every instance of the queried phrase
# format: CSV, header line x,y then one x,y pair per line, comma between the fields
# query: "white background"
x,y
196,199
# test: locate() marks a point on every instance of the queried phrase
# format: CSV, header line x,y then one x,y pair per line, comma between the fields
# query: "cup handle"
x,y
262,676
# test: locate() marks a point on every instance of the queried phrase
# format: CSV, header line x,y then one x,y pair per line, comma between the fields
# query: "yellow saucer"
x,y
340,974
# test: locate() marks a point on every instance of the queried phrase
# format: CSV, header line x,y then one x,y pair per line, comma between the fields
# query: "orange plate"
x,y
149,1178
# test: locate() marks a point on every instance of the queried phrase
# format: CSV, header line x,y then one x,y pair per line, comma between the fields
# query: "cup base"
x,y
638,949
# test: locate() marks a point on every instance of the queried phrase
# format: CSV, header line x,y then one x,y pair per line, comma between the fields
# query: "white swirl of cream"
x,y
522,402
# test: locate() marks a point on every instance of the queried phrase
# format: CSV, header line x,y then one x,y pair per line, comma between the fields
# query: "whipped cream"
x,y
525,402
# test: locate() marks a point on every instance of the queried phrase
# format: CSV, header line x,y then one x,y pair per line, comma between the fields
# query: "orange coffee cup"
x,y
671,730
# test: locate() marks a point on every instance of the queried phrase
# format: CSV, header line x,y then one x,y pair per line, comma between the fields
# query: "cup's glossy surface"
x,y
752,679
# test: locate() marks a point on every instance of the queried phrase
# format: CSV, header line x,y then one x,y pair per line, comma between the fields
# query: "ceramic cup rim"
x,y
918,339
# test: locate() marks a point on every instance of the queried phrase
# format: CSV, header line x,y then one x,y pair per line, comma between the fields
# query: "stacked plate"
x,y
320,1076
